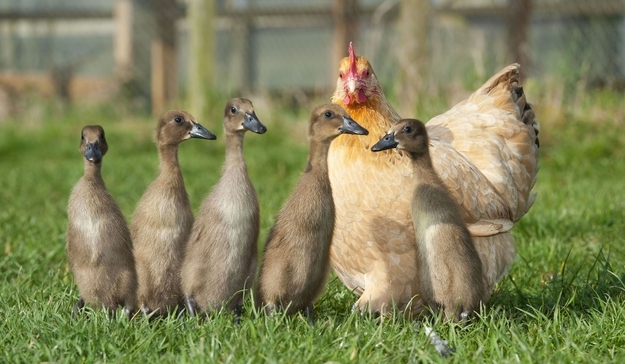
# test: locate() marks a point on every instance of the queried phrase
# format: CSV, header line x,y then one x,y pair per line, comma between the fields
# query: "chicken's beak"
x,y
351,127
254,125
387,142
93,152
351,85
198,131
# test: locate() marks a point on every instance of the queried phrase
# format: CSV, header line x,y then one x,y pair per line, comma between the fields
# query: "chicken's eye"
x,y
368,73
233,110
407,129
178,120
340,75
328,114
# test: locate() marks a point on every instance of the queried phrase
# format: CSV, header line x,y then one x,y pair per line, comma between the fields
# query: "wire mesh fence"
x,y
103,49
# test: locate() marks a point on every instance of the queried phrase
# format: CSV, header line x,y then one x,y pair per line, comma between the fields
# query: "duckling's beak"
x,y
252,124
351,127
93,152
198,131
387,142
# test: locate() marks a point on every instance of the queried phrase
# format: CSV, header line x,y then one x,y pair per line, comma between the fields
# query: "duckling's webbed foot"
x,y
310,313
146,311
80,304
465,317
190,304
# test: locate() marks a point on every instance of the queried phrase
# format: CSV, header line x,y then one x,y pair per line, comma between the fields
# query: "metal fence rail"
x,y
89,49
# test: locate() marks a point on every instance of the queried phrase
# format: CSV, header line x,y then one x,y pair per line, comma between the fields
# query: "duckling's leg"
x,y
309,311
80,304
238,310
127,312
191,305
459,315
271,309
146,311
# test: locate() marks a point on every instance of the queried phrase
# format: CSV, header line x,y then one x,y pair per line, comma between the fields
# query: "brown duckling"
x,y
163,218
98,240
220,260
296,255
450,267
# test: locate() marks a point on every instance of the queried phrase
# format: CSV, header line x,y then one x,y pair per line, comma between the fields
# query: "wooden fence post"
x,y
164,58
518,18
142,34
123,40
412,54
242,65
201,20
345,14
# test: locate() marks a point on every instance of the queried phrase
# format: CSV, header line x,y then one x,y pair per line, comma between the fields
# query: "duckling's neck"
x,y
318,158
423,167
234,150
93,172
168,159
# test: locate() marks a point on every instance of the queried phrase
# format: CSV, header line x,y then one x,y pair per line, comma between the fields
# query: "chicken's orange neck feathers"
x,y
376,115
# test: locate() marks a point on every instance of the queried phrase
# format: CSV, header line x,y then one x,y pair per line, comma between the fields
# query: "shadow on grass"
x,y
581,287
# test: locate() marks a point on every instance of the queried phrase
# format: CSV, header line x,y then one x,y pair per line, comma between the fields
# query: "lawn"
x,y
564,300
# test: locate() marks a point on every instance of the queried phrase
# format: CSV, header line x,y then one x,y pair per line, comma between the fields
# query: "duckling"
x,y
99,248
163,218
220,259
450,267
296,254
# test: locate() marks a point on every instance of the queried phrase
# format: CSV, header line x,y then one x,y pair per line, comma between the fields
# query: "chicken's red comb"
x,y
352,59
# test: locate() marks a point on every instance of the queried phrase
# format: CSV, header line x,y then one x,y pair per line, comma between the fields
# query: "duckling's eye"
x,y
368,73
328,114
340,75
233,110
178,120
407,129
82,136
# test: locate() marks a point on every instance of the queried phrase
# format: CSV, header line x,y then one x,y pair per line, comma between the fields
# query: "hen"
x,y
485,149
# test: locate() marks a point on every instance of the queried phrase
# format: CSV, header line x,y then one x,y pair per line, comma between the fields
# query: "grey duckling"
x,y
99,248
163,219
221,255
296,255
450,272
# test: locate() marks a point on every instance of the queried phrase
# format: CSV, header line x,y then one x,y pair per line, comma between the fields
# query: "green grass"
x,y
562,302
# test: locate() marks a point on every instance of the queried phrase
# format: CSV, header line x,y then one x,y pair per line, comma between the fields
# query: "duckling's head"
x,y
329,121
407,134
176,126
239,116
92,143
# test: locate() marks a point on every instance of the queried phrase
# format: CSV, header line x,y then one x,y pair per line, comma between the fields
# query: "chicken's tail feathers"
x,y
528,117
508,79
